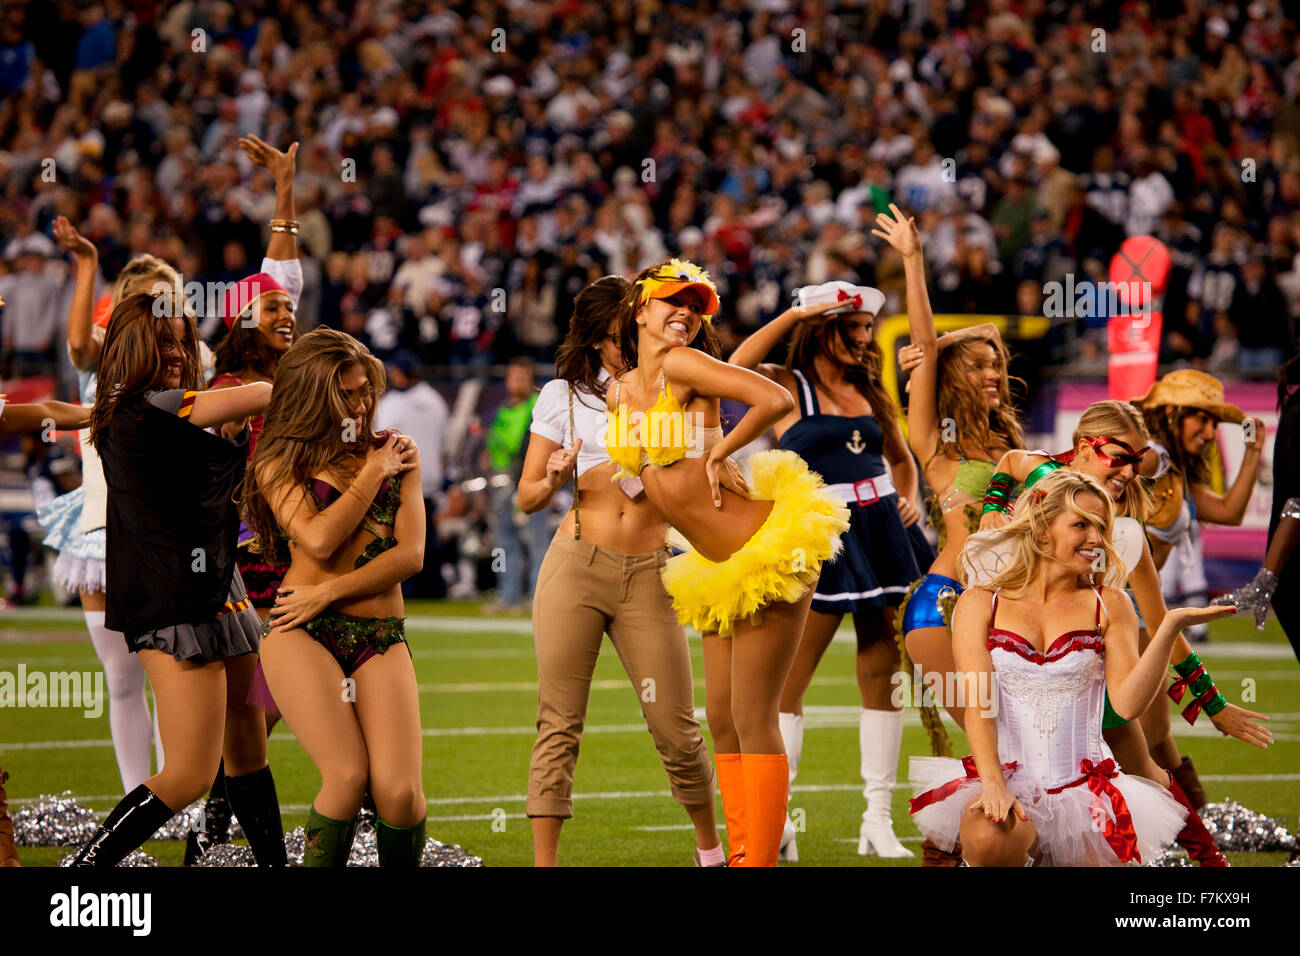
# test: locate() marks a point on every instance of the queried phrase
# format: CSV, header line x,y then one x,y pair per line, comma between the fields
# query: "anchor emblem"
x,y
856,445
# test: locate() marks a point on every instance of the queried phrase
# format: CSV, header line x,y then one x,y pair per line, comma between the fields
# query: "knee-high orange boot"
x,y
767,782
731,783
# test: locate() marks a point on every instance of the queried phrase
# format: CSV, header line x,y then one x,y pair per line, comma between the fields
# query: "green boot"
x,y
401,847
329,841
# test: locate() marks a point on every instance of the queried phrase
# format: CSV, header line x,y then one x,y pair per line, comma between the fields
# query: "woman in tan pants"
x,y
599,578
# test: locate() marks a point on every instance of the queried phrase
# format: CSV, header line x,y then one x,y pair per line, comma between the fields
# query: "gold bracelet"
x,y
278,227
285,222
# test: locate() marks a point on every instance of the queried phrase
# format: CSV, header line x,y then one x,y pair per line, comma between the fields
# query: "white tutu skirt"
x,y
80,564
1071,824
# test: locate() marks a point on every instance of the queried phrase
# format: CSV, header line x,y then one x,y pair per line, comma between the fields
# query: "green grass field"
x,y
478,693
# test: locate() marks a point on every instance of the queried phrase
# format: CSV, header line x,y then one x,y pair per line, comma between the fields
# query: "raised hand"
x,y
899,232
65,233
280,165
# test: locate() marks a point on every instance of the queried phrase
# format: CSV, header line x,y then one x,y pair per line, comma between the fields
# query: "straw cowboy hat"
x,y
982,332
1188,388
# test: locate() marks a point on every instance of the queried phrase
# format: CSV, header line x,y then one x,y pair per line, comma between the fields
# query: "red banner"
x,y
1138,273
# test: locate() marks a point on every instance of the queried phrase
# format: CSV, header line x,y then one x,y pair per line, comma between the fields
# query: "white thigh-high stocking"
x,y
128,712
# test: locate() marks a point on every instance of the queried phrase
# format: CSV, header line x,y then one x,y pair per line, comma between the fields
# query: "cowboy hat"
x,y
1188,388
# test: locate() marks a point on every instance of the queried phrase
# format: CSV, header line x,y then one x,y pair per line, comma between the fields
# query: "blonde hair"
x,y
140,275
1038,508
1111,418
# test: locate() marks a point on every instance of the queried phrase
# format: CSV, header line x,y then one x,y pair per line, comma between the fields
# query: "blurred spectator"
x,y
521,539
414,407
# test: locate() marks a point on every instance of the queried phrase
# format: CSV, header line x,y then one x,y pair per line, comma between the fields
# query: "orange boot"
x,y
731,783
767,783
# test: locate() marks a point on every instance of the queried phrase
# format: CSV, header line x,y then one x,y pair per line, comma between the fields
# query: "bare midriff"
x,y
681,493
612,520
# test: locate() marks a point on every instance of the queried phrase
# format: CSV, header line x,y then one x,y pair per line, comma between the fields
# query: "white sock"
x,y
128,712
792,737
715,857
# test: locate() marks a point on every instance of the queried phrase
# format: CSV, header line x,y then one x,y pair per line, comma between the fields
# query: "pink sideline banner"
x,y
1256,399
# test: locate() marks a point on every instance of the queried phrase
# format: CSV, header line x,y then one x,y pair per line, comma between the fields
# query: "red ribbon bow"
x,y
1119,832
1179,686
1193,710
842,296
946,790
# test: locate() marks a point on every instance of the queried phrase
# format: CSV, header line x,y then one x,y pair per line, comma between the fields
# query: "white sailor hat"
x,y
856,298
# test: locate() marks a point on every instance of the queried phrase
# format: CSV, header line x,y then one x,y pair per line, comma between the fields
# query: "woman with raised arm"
x,y
600,577
845,426
258,312
960,422
748,579
171,510
1038,648
1111,444
75,522
344,507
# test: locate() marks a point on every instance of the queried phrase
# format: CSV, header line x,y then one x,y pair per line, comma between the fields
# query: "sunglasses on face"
x,y
1130,457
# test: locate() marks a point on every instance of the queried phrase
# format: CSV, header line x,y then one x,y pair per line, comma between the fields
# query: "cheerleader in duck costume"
x,y
1111,445
846,426
1041,786
747,581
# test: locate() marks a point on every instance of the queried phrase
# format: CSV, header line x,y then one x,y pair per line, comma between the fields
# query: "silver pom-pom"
x,y
191,818
135,858
227,854
365,851
1235,827
54,821
1169,856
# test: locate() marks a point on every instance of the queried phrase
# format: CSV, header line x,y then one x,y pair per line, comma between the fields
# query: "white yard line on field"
x,y
502,799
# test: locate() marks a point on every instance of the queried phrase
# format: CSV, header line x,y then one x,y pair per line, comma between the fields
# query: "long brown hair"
x,y
305,427
577,360
1111,418
707,341
818,337
963,403
139,330
1165,423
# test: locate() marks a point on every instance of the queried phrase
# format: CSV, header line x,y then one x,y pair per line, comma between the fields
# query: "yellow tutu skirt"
x,y
780,562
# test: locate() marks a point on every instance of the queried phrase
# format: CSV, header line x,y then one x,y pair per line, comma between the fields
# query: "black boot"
x,y
253,801
132,821
400,847
215,825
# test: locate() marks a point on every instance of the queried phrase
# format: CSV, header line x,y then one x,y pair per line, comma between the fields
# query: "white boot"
x,y
792,735
880,738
